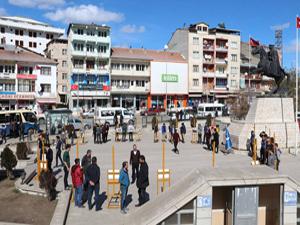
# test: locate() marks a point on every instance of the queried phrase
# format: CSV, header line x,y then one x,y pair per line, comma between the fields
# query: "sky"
x,y
150,23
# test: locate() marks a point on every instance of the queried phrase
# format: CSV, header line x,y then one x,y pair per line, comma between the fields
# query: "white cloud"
x,y
41,4
84,14
3,12
133,29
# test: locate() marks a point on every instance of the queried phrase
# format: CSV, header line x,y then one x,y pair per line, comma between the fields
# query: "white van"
x,y
106,115
204,109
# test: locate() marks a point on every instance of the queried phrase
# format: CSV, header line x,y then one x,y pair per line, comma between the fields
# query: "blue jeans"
x,y
124,191
91,189
78,195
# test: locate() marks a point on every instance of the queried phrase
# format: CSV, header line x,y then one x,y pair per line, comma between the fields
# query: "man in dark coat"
x,y
142,181
134,162
93,176
49,157
215,139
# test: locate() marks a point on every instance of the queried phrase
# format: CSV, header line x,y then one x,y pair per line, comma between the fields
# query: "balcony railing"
x,y
208,61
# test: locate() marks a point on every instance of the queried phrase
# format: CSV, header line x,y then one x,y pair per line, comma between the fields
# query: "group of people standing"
x,y
86,179
100,133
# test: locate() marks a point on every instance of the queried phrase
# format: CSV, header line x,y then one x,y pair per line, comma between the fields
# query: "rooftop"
x,y
145,54
20,54
92,25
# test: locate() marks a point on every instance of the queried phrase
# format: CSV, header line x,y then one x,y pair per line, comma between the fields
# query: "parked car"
x,y
78,124
152,111
89,114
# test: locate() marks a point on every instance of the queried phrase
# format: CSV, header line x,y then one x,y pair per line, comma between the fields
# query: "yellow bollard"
x,y
113,166
163,164
213,154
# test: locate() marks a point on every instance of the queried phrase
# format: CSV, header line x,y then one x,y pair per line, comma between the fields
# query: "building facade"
x,y
27,33
213,56
143,78
27,79
89,48
57,50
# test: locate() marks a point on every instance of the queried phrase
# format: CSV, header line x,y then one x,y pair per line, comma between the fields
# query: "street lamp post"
x,y
166,81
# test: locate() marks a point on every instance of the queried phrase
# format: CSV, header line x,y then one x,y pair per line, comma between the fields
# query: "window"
x,y
7,69
79,31
17,42
234,44
17,32
78,46
204,28
195,82
102,48
139,67
221,83
32,34
46,71
64,63
125,66
195,68
90,33
26,85
78,63
115,66
2,30
195,41
90,65
199,28
196,55
49,36
102,34
25,70
140,83
30,44
64,51
234,57
233,83
34,44
46,88
64,88
7,87
21,32
234,70
21,43
90,48
64,76
221,69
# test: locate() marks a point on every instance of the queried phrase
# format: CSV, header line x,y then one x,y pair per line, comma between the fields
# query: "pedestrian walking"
x,y
263,147
115,120
49,157
182,132
121,119
106,126
58,151
134,162
130,131
124,184
77,180
199,133
142,181
163,132
205,133
66,161
124,131
95,133
277,153
93,176
252,138
176,139
154,121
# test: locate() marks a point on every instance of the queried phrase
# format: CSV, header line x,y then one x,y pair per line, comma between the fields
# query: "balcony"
x,y
209,74
131,72
220,74
88,38
221,48
130,89
7,75
221,61
208,61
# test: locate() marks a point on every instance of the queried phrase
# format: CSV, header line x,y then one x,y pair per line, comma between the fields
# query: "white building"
x,y
27,79
89,48
213,56
27,33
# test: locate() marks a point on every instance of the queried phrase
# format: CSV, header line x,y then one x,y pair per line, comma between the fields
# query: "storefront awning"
x,y
46,100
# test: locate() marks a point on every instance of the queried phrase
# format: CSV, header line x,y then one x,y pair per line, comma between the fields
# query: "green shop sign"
x,y
169,78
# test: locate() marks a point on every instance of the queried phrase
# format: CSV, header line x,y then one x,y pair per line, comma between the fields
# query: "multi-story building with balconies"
x,y
57,50
213,56
27,33
89,48
27,79
143,78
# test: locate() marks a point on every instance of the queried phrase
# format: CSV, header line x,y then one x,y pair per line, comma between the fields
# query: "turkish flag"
x,y
298,22
253,42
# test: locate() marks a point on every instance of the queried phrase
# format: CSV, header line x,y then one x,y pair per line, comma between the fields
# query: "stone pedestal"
x,y
274,115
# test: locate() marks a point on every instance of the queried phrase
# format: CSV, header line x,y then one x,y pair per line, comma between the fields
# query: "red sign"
x,y
298,22
27,76
74,87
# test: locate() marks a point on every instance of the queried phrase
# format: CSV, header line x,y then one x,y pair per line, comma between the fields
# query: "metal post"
x,y
166,87
296,110
163,164
113,166
213,154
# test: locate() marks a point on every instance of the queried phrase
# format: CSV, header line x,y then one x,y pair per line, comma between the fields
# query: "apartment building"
x,y
27,79
213,56
89,48
143,78
57,50
27,33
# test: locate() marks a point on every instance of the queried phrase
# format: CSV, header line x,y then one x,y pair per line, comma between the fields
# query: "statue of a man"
x,y
274,60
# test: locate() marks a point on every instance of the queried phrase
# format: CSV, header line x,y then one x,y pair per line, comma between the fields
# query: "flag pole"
x,y
249,64
296,110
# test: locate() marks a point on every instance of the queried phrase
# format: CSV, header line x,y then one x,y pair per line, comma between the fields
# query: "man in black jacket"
x,y
85,163
134,162
93,176
49,157
142,181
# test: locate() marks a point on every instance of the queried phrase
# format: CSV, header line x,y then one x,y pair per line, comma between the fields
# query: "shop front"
x,y
129,101
169,85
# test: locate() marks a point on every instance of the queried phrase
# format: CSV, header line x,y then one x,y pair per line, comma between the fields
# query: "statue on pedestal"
x,y
269,65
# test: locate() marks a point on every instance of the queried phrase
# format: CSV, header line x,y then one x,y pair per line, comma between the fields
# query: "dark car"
x,y
152,111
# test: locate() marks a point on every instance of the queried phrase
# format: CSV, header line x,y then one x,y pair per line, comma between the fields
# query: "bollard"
x,y
163,164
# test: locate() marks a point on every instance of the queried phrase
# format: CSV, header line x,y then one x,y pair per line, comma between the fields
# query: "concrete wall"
x,y
204,213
